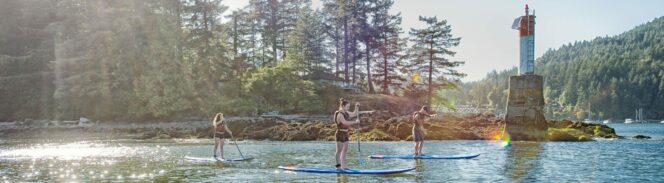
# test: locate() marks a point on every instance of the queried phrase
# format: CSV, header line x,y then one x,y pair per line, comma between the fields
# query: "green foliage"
x,y
26,46
174,59
307,53
280,88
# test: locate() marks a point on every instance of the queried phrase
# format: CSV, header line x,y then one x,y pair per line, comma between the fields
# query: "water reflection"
x,y
139,161
523,158
419,170
341,178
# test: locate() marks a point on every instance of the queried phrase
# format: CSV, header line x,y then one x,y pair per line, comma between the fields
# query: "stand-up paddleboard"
x,y
351,171
410,156
219,160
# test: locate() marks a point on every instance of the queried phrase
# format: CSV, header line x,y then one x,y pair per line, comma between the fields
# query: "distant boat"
x,y
629,120
590,117
606,121
639,116
662,121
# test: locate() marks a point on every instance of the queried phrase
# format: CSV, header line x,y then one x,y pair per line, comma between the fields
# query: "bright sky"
x,y
487,41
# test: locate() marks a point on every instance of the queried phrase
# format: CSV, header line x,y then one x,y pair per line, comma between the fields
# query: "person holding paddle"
x,y
220,129
418,118
342,118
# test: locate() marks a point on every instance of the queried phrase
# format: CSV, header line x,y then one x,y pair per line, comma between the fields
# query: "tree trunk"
x,y
273,28
336,49
345,50
353,50
368,57
430,75
235,36
385,89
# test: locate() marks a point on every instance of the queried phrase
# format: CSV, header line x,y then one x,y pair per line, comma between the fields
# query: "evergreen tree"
x,y
307,50
431,45
390,47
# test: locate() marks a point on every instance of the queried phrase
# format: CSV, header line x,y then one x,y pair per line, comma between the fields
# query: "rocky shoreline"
x,y
380,126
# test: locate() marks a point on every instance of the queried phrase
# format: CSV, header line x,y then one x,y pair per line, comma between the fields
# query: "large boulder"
x,y
401,130
589,129
566,134
641,137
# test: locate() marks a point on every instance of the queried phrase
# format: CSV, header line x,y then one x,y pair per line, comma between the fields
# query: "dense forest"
x,y
169,59
607,77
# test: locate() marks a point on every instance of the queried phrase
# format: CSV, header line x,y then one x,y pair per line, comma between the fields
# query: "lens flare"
x,y
506,141
416,76
502,138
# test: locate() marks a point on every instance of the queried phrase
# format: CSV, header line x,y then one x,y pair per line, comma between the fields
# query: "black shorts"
x,y
219,135
418,134
341,136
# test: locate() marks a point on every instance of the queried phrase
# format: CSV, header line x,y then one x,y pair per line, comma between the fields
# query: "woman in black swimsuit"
x,y
342,118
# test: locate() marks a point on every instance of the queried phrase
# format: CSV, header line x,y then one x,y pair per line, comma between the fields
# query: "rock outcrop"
x,y
641,137
382,125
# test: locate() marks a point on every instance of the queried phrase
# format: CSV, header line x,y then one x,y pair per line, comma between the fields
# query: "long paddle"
x,y
238,147
359,129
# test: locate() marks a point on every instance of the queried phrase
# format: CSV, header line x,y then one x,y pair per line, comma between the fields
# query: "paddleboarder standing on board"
x,y
220,129
342,118
418,118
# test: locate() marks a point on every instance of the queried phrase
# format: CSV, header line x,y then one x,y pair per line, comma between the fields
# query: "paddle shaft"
x,y
359,129
238,147
214,138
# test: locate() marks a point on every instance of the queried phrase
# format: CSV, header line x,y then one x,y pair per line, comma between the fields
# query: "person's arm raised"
x,y
355,112
366,112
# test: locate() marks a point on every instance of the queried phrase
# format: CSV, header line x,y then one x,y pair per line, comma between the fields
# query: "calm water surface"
x,y
623,160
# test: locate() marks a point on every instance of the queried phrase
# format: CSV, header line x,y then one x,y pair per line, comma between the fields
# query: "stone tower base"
x,y
525,108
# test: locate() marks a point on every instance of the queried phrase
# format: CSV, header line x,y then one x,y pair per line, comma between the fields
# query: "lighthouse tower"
x,y
525,102
526,26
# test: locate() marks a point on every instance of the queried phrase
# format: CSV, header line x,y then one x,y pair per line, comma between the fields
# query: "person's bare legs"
x,y
216,145
221,148
337,156
342,157
417,147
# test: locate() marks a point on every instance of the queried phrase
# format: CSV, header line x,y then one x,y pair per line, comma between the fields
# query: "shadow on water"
x,y
523,159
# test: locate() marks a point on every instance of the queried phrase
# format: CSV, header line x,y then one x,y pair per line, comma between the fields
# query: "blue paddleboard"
x,y
220,160
410,156
351,171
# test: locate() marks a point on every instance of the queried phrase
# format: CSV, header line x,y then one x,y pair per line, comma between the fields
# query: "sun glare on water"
x,y
69,151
